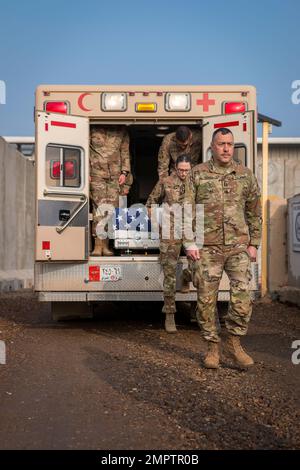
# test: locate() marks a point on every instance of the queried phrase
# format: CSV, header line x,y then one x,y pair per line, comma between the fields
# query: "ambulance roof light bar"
x,y
178,102
114,101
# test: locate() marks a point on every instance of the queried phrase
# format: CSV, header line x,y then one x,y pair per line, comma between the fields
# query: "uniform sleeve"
x,y
189,238
253,212
124,190
125,156
189,243
156,195
164,158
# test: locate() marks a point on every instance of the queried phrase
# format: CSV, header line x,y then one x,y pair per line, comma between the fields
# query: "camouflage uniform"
x,y
107,160
169,152
171,191
232,222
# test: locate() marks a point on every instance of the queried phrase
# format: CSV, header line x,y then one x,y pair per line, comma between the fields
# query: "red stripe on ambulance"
x,y
227,124
63,124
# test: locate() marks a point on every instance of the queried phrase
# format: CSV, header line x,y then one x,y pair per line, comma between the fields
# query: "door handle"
x,y
63,193
83,202
79,208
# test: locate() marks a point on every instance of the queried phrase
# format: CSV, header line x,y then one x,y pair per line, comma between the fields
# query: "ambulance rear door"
x,y
62,170
242,127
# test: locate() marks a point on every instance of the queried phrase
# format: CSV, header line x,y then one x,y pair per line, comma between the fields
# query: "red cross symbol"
x,y
205,102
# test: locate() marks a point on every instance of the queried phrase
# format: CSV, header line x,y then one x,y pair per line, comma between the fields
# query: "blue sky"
x,y
149,42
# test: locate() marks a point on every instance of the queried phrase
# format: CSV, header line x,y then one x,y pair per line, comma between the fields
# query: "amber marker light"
x,y
145,107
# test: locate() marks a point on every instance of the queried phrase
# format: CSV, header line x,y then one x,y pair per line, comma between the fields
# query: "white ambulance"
x,y
65,272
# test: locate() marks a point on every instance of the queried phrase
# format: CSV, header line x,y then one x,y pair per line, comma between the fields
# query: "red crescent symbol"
x,y
80,102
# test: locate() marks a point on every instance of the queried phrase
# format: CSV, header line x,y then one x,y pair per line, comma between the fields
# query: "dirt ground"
x,y
119,381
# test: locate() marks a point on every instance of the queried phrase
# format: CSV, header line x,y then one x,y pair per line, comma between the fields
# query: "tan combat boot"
x,y
106,251
212,358
233,347
170,326
98,247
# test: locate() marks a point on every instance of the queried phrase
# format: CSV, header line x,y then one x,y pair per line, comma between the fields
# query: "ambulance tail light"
x,y
55,169
56,107
178,102
69,169
233,107
114,101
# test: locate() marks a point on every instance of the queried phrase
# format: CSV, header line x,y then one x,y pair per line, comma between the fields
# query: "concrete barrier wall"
x,y
17,218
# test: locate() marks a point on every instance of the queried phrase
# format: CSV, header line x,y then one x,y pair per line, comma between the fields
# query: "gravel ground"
x,y
120,382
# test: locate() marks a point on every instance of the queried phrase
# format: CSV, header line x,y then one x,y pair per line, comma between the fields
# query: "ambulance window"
x,y
71,176
240,154
63,166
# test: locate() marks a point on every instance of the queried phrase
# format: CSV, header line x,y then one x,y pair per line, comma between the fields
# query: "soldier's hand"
x,y
122,179
193,254
252,252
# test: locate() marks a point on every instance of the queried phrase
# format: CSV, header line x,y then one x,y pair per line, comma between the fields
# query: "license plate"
x,y
110,273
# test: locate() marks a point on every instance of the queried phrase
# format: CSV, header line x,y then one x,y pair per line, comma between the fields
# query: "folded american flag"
x,y
132,219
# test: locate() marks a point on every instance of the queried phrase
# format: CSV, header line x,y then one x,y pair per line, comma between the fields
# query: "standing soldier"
x,y
175,189
109,174
232,232
183,141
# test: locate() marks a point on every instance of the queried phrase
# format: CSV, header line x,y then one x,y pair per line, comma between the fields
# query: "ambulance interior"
x,y
145,141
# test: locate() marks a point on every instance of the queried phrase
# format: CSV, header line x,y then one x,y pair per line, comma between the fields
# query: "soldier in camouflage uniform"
x,y
177,189
232,232
183,141
109,174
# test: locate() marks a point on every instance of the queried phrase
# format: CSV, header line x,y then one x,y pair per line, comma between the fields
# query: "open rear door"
x,y
242,127
62,170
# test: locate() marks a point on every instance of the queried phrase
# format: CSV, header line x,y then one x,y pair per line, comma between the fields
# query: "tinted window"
x,y
63,166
